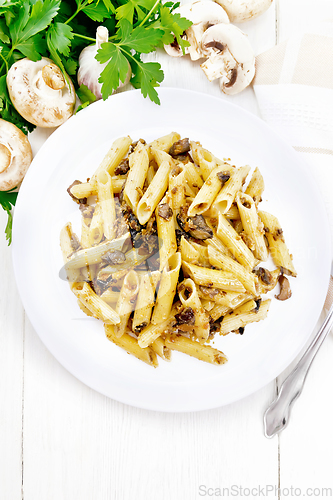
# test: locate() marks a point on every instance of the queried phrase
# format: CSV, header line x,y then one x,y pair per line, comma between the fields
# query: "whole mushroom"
x,y
244,10
15,155
231,57
40,93
202,14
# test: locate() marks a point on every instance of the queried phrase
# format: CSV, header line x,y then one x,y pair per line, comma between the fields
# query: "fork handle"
x,y
277,414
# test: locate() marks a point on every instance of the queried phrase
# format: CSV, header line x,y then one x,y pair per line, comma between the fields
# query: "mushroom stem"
x,y
219,65
5,157
53,77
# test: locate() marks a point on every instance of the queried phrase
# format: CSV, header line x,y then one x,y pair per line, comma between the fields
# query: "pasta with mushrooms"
x,y
171,248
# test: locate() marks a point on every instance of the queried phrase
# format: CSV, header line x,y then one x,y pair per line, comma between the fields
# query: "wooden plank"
x,y
11,375
79,444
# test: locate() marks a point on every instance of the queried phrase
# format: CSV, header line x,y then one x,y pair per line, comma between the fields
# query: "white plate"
x,y
78,343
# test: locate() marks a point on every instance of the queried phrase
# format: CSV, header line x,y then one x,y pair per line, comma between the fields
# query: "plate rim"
x,y
272,132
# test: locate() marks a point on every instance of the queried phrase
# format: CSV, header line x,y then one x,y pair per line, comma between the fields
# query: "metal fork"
x,y
277,414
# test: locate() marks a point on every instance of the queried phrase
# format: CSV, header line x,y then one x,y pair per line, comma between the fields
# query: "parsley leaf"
x,y
148,76
116,69
7,200
133,8
141,39
61,36
86,97
173,25
29,23
33,48
96,11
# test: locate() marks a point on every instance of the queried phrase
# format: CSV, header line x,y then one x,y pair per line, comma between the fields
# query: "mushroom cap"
x,y
226,42
202,14
204,11
40,93
243,10
15,155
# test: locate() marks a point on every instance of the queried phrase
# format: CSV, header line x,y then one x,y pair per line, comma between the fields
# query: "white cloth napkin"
x,y
294,89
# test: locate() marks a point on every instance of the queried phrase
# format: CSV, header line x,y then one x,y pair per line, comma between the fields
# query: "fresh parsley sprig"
x,y
61,29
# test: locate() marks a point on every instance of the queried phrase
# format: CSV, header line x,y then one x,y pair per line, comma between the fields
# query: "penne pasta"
x,y
95,304
225,263
93,255
234,321
192,348
126,301
192,175
131,346
256,186
154,193
161,349
164,143
188,296
188,252
144,305
234,243
207,193
277,245
167,289
166,231
152,332
139,164
212,277
252,225
106,203
114,156
227,194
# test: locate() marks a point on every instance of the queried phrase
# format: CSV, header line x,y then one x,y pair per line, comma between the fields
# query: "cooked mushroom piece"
x,y
40,92
15,155
285,290
185,319
240,11
203,14
195,226
113,258
180,147
230,57
165,211
264,275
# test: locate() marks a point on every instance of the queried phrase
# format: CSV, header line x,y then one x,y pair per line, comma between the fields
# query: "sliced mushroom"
x,y
40,92
114,258
231,57
165,211
15,155
241,10
195,226
180,147
202,14
285,290
265,276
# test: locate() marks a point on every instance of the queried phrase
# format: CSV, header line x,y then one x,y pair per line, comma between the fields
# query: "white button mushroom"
x,y
231,57
90,69
15,155
202,14
243,10
40,93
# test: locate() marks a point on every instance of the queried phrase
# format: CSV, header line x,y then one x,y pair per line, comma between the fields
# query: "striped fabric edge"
x,y
317,151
